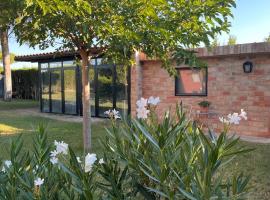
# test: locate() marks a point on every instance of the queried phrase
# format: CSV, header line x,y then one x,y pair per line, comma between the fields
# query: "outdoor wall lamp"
x,y
247,66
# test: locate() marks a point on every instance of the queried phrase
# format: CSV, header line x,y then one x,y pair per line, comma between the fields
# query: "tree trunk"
x,y
6,65
86,102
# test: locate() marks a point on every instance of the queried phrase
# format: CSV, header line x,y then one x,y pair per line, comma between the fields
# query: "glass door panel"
x,y
121,86
105,90
56,94
45,89
92,90
70,91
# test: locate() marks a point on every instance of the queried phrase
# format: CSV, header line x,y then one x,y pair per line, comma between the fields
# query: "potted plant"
x,y
204,106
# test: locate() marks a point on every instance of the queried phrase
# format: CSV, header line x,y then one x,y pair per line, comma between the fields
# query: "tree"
x,y
232,40
8,13
267,39
215,42
12,57
156,27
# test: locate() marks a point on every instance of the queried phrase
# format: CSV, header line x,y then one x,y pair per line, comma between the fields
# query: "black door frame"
x,y
78,78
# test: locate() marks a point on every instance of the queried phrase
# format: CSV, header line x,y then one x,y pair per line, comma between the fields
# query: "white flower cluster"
x,y
113,114
7,163
90,160
61,148
143,104
234,118
38,182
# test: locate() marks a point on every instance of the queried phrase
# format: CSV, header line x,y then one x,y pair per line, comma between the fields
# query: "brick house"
x,y
224,83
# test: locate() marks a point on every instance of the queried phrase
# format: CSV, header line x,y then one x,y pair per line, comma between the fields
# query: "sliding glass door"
x,y
61,88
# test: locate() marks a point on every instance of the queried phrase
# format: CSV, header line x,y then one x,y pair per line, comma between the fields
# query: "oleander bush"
x,y
145,158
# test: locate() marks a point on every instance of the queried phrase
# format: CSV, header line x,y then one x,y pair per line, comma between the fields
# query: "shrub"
x,y
145,158
204,104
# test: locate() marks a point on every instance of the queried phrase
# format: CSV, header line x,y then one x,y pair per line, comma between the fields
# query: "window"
x,y
191,82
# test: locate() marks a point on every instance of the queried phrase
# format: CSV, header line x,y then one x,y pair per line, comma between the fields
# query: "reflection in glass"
x,y
70,63
122,90
55,64
44,65
191,82
56,95
105,81
45,82
70,91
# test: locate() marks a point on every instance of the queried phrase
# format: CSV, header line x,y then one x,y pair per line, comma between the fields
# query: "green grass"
x,y
18,104
256,164
12,123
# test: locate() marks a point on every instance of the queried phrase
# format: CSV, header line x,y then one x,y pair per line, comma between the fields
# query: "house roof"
x,y
66,55
229,50
235,50
220,51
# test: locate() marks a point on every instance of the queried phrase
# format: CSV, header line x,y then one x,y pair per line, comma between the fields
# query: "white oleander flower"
x,y
79,160
90,159
116,114
154,101
234,118
142,113
223,120
141,103
54,153
7,163
108,112
54,160
101,161
61,147
243,114
113,114
38,182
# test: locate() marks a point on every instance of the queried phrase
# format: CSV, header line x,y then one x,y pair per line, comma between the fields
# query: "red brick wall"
x,y
229,90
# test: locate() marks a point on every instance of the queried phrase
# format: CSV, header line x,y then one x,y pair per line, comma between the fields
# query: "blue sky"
x,y
251,23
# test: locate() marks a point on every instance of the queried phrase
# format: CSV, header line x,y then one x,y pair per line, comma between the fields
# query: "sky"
x,y
251,23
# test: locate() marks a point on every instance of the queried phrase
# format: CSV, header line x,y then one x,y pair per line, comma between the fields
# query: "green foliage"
x,y
12,57
267,39
174,159
8,12
204,104
215,42
60,182
157,27
232,40
143,159
25,84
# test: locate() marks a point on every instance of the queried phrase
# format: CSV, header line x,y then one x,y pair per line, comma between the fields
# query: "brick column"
x,y
136,83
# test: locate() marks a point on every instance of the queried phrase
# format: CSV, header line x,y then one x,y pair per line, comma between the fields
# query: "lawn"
x,y
12,122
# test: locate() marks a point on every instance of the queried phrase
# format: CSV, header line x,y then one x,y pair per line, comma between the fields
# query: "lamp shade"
x,y
247,67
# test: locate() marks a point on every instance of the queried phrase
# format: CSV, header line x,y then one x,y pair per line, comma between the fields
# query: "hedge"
x,y
25,84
